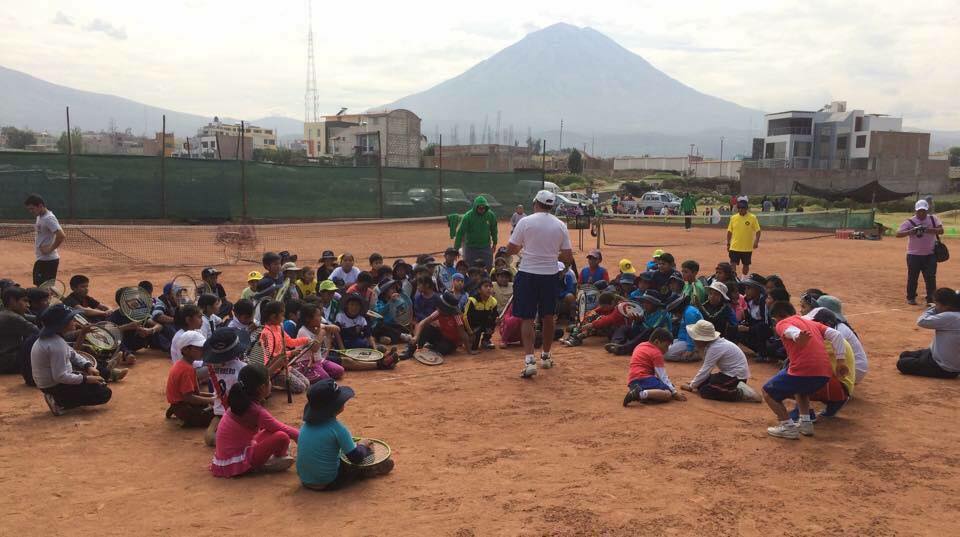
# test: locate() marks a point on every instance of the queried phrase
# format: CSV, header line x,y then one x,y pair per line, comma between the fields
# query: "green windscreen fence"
x,y
113,187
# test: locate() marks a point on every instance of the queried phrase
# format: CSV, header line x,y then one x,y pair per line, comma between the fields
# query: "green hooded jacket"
x,y
477,230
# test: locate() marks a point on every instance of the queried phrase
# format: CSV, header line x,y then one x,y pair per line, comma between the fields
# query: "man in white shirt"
x,y
540,239
50,236
730,382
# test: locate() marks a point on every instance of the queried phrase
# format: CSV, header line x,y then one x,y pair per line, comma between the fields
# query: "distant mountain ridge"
x,y
28,101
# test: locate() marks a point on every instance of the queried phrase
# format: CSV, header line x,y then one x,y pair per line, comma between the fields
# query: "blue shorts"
x,y
535,294
649,383
783,386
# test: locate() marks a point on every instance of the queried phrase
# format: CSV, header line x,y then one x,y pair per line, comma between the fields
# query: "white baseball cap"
x,y
191,338
545,197
921,205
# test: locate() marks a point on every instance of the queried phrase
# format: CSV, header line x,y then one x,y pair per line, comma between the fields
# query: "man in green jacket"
x,y
688,206
477,233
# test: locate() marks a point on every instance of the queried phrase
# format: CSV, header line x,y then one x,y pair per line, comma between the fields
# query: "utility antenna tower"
x,y
311,106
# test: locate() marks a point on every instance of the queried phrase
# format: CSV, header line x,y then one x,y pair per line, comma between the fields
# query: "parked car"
x,y
657,201
427,199
527,189
578,197
492,202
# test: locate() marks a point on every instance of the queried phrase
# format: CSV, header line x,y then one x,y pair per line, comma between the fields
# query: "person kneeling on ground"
x,y
183,391
600,321
15,329
648,381
480,316
323,438
730,382
66,379
942,358
638,330
249,438
839,389
442,331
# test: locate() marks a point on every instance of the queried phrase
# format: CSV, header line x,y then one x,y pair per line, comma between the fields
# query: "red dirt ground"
x,y
481,452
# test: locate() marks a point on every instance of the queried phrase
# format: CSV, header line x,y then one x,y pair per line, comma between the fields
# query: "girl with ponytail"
x,y
249,438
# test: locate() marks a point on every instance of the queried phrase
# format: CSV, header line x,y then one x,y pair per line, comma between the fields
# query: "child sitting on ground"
x,y
291,317
833,304
80,299
253,279
638,329
387,330
223,358
187,318
692,286
458,286
276,343
323,438
942,358
66,379
328,263
364,288
480,316
654,262
682,349
729,383
211,284
356,334
598,322
243,317
717,310
503,287
307,283
593,272
648,381
346,271
249,438
442,331
426,300
314,364
376,261
136,335
209,305
183,392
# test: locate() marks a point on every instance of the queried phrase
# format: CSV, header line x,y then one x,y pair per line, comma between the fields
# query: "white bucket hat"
x,y
703,330
721,288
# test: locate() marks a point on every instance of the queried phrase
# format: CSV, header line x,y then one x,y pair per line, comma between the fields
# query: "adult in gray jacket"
x,y
67,379
942,358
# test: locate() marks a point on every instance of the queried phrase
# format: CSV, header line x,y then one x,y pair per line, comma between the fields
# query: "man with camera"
x,y
922,230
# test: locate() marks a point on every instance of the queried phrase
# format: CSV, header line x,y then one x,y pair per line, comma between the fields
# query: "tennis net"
x,y
202,245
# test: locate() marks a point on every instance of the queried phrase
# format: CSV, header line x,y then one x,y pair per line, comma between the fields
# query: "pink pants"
x,y
266,444
323,370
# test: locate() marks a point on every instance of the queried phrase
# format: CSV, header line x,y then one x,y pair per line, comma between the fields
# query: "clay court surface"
x,y
480,451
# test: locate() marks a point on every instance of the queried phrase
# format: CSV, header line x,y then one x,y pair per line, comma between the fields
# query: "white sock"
x,y
788,421
529,359
805,418
643,395
544,355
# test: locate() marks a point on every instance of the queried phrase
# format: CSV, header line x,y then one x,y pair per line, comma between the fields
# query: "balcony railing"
x,y
779,131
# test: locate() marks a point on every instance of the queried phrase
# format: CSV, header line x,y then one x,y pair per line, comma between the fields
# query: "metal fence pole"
x,y
71,188
440,175
163,168
379,175
243,170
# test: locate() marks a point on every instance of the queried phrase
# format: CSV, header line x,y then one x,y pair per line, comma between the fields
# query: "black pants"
x,y
432,335
192,415
921,363
348,474
921,264
688,221
392,331
628,337
75,395
720,387
45,270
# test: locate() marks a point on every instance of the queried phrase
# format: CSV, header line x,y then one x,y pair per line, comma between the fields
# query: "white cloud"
x,y
883,56
100,25
60,18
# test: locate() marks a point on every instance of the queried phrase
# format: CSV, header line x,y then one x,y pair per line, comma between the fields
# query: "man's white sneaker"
x,y
55,407
529,371
546,363
805,428
748,394
784,430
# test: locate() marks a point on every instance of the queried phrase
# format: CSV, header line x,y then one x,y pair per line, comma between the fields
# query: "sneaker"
x,y
529,369
406,338
117,374
55,407
546,363
488,345
789,431
573,341
748,394
612,348
389,360
277,464
805,428
912,301
632,395
114,360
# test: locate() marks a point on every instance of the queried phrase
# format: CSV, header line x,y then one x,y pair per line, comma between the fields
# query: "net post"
x,y
163,168
71,176
379,175
243,171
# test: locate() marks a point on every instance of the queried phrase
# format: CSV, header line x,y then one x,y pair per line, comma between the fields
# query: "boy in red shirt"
x,y
183,391
648,380
442,330
808,371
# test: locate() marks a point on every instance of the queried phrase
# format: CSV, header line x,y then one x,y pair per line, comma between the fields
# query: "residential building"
x,y
480,158
262,138
45,142
112,143
687,166
152,147
352,135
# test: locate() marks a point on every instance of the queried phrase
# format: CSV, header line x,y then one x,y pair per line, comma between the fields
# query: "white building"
x,y
263,138
351,135
829,138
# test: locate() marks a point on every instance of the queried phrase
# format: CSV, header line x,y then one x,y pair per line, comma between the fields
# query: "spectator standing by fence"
x,y
50,236
477,233
922,230
688,206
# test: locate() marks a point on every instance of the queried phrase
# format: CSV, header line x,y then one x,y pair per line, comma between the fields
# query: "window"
x,y
858,124
802,149
861,140
841,142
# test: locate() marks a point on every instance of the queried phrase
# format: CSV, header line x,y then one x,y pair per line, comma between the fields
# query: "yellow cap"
x,y
254,276
626,267
657,253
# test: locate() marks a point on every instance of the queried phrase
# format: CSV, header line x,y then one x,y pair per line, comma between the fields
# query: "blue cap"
x,y
458,276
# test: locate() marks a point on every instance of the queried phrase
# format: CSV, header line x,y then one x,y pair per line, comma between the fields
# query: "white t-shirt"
x,y
227,374
542,236
349,278
315,356
47,227
176,348
210,324
236,324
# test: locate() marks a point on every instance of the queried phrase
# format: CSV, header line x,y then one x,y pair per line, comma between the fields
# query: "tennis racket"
x,y
58,291
630,310
185,289
136,304
283,290
401,310
503,312
101,340
380,452
362,355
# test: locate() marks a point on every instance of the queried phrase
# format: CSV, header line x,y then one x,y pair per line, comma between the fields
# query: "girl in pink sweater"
x,y
249,438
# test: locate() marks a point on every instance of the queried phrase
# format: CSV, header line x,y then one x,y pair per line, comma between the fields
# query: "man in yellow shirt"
x,y
743,235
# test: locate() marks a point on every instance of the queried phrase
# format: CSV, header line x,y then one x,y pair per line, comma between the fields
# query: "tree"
x,y
954,153
575,162
18,139
431,150
76,142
